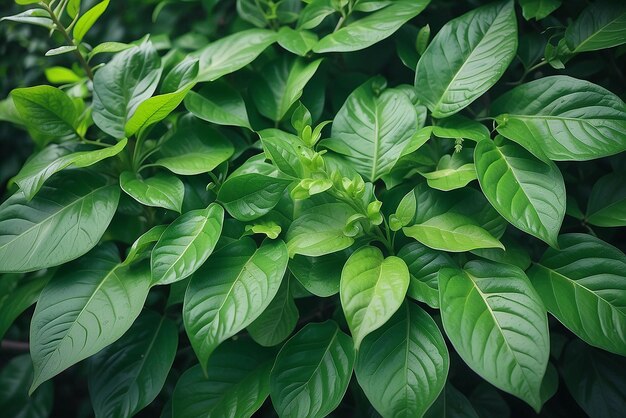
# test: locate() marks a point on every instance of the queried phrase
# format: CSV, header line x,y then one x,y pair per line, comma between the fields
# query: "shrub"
x,y
320,191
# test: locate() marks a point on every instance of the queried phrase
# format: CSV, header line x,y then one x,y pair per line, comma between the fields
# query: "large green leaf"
x,y
46,110
63,221
236,384
253,190
403,366
466,58
424,264
563,118
498,325
372,130
161,190
127,376
87,20
372,289
87,306
607,202
527,192
186,244
280,85
17,294
218,103
233,52
369,30
320,230
452,172
278,320
458,126
583,286
312,371
596,379
122,85
195,148
231,291
57,157
601,25
15,402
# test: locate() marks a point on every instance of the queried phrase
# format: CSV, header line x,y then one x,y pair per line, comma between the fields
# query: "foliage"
x,y
237,218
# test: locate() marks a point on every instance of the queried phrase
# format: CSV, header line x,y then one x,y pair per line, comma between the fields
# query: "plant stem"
x,y
70,42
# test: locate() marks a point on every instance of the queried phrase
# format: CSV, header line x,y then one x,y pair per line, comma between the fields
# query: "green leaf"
x,y
122,85
128,375
55,158
161,190
37,17
361,33
538,9
182,75
278,320
143,245
595,379
218,103
186,244
66,219
231,291
298,42
284,150
280,85
253,190
403,366
46,110
312,371
155,109
453,171
61,50
424,264
607,202
373,130
61,75
458,126
18,294
451,404
372,289
236,383
15,401
320,230
319,275
601,25
491,311
73,8
195,148
466,58
233,52
527,192
314,14
588,124
88,19
582,286
87,306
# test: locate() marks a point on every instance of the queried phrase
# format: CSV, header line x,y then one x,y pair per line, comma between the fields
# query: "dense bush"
x,y
313,208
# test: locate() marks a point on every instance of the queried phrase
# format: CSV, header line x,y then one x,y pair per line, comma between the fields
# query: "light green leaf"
x,y
195,148
66,219
280,85
122,85
46,110
233,52
527,192
61,75
218,103
87,306
87,20
128,375
589,124
372,130
583,286
371,29
538,9
37,17
186,244
161,190
61,50
73,8
601,25
491,311
320,230
183,74
236,384
15,401
403,366
55,158
467,57
298,42
453,171
372,289
458,126
607,202
312,371
231,291
278,320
